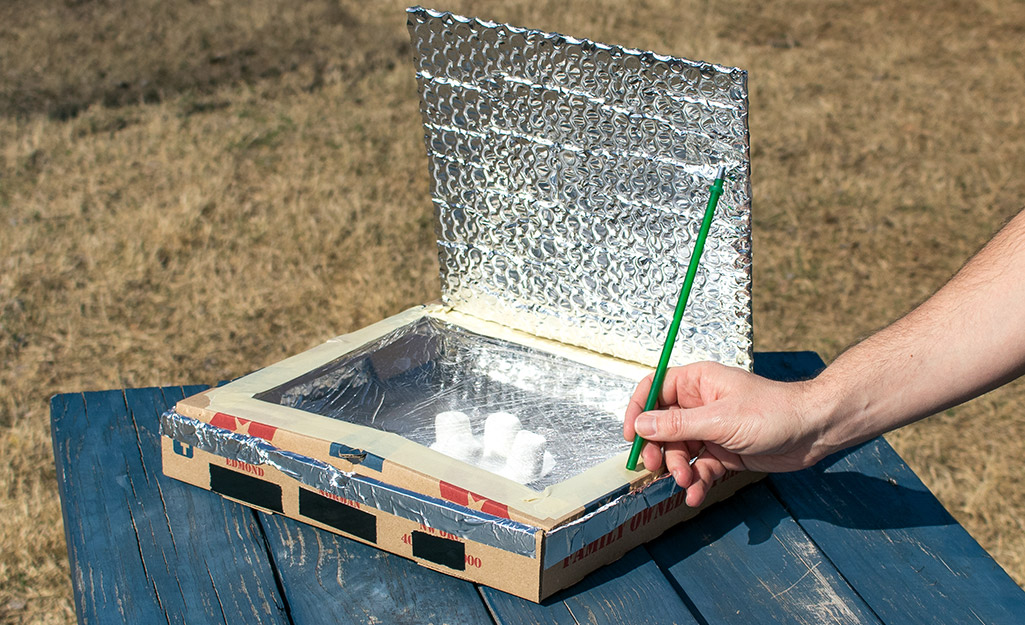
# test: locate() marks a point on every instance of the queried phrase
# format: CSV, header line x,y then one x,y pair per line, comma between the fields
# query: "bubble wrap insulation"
x,y
570,179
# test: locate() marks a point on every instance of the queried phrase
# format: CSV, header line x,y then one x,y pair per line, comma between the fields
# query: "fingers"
x,y
695,399
693,469
682,387
651,454
687,387
678,457
636,406
707,470
745,421
694,385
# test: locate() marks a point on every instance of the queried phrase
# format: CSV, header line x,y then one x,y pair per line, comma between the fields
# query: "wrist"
x,y
828,420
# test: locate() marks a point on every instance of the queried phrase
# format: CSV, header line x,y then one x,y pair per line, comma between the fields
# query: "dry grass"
x,y
192,190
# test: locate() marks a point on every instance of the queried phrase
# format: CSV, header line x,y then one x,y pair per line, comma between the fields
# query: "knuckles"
x,y
670,424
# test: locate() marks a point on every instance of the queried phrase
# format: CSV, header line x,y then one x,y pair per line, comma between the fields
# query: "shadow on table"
x,y
861,502
866,487
631,566
834,492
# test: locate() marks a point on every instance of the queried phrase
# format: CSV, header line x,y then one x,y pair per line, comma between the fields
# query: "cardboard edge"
x,y
437,550
521,575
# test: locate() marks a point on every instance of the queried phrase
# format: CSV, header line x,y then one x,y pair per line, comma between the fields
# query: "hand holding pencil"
x,y
697,415
692,268
965,340
715,418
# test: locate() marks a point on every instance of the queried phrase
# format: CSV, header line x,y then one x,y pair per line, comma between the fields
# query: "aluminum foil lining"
x,y
401,382
569,179
436,513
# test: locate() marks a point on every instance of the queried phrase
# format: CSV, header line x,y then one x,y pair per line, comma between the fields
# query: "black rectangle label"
x,y
247,488
443,551
338,515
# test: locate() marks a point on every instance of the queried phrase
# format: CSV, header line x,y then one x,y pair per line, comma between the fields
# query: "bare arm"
x,y
966,339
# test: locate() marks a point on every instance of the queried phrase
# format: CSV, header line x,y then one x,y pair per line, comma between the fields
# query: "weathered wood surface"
x,y
632,589
330,579
898,547
857,539
745,561
142,548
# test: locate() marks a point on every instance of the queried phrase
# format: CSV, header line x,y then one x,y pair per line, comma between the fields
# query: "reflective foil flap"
x,y
570,179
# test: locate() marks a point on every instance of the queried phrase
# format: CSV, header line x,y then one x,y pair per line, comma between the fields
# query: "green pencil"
x,y
663,363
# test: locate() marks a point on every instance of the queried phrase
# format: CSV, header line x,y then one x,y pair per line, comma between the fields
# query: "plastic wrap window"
x,y
531,416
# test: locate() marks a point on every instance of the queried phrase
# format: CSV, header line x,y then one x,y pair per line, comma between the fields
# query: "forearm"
x,y
963,341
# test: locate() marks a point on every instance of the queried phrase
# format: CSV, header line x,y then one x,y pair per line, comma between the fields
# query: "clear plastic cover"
x,y
531,416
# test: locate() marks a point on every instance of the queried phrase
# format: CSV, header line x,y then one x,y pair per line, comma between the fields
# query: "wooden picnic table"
x,y
856,539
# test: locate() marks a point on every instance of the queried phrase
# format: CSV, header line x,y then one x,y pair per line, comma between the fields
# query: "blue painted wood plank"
x,y
895,543
630,590
331,579
897,546
144,548
746,561
845,558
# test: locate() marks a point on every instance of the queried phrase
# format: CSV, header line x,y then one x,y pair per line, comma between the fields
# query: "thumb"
x,y
680,424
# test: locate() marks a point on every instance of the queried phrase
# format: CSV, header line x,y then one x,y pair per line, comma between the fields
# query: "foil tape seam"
x,y
487,529
418,14
600,101
706,172
566,539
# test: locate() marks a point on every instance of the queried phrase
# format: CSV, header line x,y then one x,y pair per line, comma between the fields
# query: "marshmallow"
x,y
526,457
462,447
454,438
500,430
451,424
548,465
508,450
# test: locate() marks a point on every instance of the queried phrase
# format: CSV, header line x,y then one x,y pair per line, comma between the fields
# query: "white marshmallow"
x,y
526,458
500,430
460,447
454,438
508,450
451,424
548,465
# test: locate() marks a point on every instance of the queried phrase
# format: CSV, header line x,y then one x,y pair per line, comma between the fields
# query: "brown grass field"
x,y
190,190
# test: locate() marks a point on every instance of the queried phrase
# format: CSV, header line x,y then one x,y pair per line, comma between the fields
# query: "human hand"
x,y
728,419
